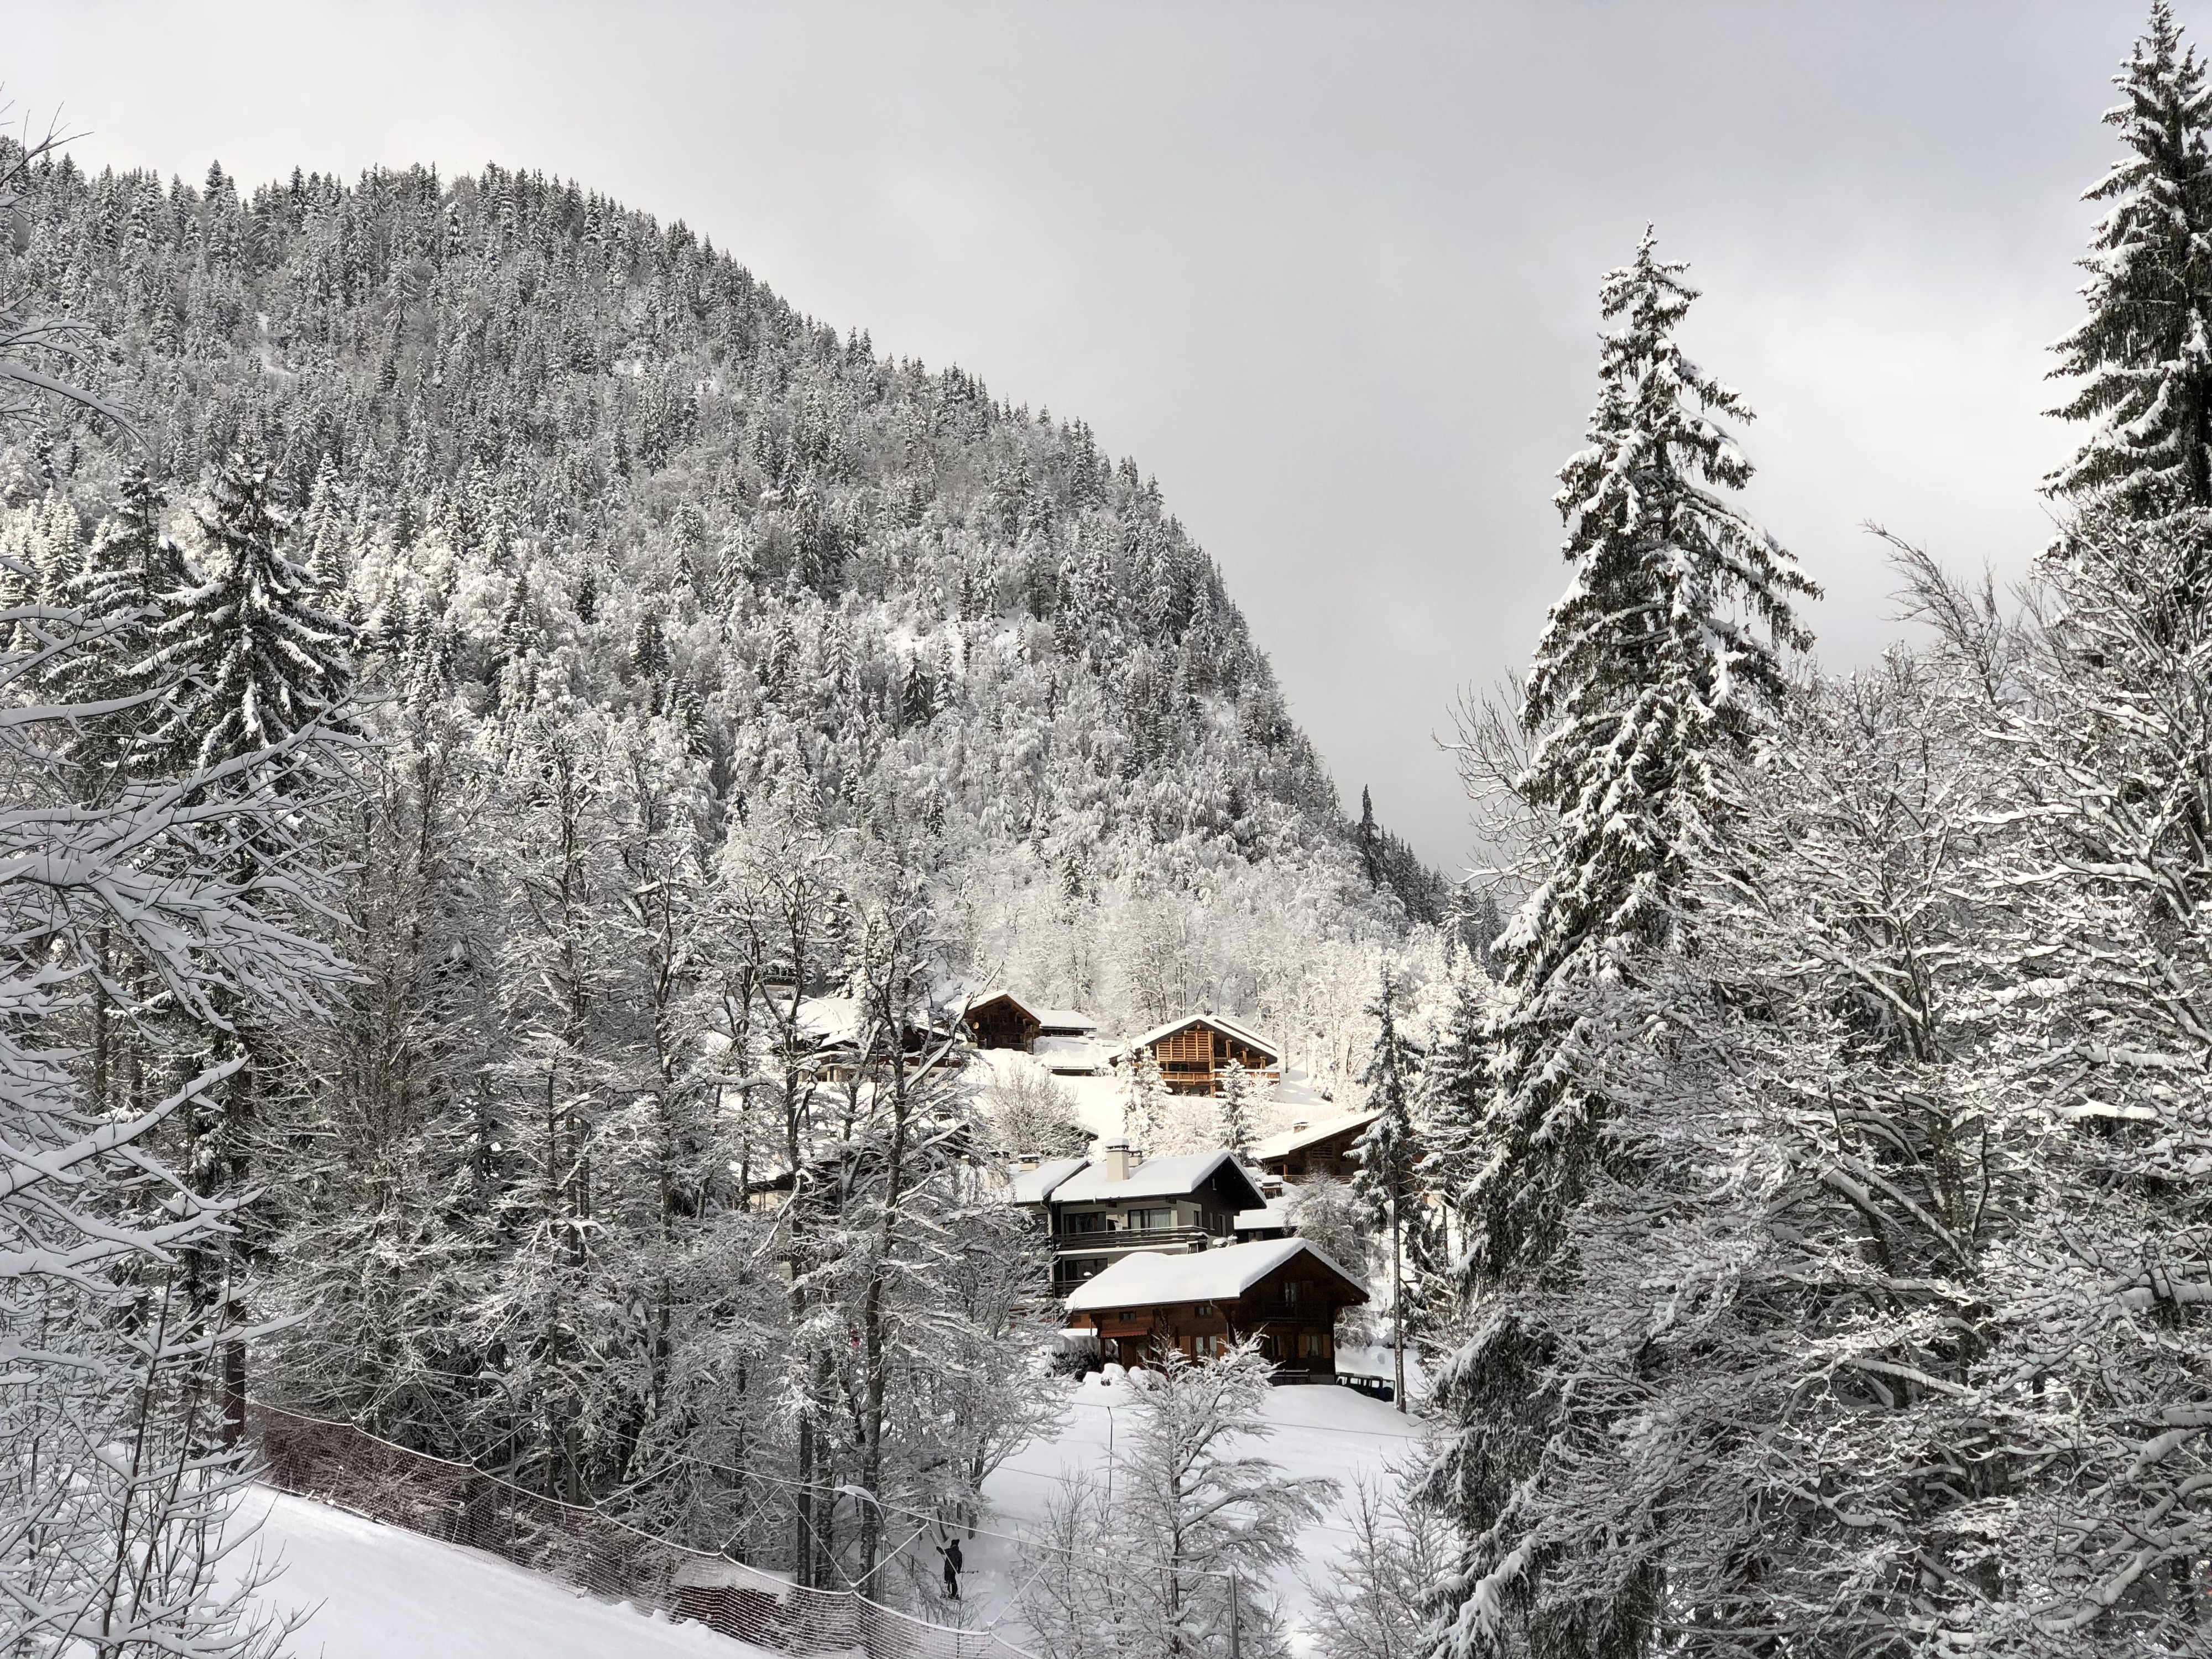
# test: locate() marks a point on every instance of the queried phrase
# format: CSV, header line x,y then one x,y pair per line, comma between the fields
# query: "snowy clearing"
x,y
378,1592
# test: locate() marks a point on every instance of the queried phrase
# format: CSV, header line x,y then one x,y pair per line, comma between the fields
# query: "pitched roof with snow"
x,y
1275,1212
1221,1022
1222,1275
1156,1177
1065,1019
1290,1140
1034,1186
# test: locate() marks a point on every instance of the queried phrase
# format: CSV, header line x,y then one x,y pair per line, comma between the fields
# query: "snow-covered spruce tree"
x,y
1238,1095
1657,670
127,564
1144,1102
1772,1304
2144,353
253,656
113,1506
1145,1569
258,677
1389,1151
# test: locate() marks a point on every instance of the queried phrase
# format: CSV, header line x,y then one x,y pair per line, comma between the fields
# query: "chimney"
x,y
1298,1127
1117,1160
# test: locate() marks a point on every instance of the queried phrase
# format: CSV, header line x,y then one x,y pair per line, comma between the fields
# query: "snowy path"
x,y
381,1593
1321,1430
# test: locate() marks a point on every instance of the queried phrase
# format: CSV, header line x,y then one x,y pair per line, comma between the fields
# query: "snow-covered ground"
x,y
376,1592
1319,1430
1099,1100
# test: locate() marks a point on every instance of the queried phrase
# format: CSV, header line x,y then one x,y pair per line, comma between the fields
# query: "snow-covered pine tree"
x,y
1658,667
256,682
1144,1102
2143,355
1238,1093
254,658
128,562
113,1506
1390,1150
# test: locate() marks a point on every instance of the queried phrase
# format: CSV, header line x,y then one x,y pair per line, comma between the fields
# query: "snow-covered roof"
x,y
1290,1140
1068,1054
1275,1212
1065,1019
1221,1022
1034,1186
830,1019
1153,1277
1156,1177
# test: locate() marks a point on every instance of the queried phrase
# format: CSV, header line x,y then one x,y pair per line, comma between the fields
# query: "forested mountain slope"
x,y
568,658
544,442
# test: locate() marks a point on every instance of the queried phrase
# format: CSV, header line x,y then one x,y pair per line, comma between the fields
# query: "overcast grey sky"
x,y
1328,271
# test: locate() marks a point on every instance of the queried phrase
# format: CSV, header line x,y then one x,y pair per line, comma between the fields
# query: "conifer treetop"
x,y
1666,651
256,658
2144,352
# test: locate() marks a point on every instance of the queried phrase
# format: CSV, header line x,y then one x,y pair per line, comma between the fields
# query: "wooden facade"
x,y
1193,1052
1091,1234
1292,1311
999,1022
1312,1155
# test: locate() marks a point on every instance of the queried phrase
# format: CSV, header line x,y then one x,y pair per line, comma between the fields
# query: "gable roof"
x,y
1156,1177
1220,1022
1065,1019
1034,1186
977,1003
1219,1275
1290,1140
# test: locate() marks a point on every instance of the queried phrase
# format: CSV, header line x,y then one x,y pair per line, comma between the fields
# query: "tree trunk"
x,y
1398,1300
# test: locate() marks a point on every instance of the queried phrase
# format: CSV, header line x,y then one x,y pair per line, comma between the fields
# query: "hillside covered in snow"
x,y
548,448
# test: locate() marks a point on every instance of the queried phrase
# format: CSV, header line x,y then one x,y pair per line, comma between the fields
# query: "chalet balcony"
x,y
1137,1238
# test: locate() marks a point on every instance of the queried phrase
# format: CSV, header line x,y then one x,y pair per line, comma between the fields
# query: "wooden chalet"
x,y
1000,1020
1193,1052
1284,1291
1309,1151
1099,1213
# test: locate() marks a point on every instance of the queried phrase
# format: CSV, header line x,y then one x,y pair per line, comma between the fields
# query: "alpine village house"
x,y
1145,1250
1193,1052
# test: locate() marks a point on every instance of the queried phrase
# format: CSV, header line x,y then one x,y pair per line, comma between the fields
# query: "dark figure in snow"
x,y
952,1570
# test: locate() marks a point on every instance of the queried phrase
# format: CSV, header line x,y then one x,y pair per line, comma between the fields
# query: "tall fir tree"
x,y
1657,669
256,659
127,563
1238,1092
1371,840
1389,1150
2143,355
255,674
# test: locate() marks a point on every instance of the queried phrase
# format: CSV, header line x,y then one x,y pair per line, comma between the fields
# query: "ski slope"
x,y
375,1592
